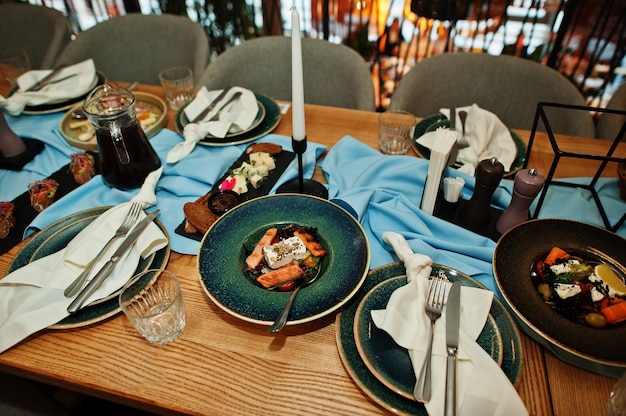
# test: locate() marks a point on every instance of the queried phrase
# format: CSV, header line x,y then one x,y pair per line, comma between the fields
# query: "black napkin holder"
x,y
33,148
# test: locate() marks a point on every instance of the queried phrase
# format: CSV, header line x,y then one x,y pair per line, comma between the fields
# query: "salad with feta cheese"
x,y
583,290
284,254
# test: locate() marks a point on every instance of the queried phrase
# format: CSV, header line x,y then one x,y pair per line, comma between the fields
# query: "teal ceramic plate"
x,y
222,254
268,122
55,237
389,362
371,385
431,123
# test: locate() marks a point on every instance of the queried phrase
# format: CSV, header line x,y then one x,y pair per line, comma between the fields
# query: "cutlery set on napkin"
x,y
482,388
40,87
482,136
32,297
216,113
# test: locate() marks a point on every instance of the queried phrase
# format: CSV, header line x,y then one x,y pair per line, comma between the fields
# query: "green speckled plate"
x,y
431,123
371,385
55,237
270,117
389,362
221,258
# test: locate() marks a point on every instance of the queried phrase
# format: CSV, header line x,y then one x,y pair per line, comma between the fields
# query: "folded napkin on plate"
x,y
64,90
234,116
483,389
31,297
485,137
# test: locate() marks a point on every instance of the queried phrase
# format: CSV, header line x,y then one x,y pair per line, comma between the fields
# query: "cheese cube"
x,y
284,252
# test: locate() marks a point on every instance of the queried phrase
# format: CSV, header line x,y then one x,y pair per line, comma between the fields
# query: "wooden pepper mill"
x,y
527,184
477,213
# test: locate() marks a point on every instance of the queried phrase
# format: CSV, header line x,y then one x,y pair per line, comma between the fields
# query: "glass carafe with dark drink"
x,y
126,156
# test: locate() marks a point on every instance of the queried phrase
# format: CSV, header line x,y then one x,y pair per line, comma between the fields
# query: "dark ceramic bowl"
x,y
598,350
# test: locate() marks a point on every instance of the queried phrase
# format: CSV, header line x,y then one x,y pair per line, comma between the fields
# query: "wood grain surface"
x,y
222,365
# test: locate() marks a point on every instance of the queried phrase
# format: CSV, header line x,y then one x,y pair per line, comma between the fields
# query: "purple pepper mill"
x,y
527,184
477,212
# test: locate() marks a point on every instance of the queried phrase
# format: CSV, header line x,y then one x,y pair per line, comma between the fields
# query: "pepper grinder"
x,y
526,186
477,213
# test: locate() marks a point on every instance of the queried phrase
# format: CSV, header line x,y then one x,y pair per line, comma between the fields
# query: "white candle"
x,y
297,84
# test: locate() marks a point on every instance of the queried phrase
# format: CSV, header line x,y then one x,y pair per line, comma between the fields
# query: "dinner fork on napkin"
x,y
76,81
485,137
483,388
31,297
235,112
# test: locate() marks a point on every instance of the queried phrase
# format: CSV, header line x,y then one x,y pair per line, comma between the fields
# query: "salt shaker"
x,y
477,212
526,186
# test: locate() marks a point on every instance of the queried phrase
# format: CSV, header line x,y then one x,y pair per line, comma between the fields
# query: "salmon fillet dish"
x,y
283,255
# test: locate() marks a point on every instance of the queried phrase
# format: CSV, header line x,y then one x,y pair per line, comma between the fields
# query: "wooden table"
x,y
222,365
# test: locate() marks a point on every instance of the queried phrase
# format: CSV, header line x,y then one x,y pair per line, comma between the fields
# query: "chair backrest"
x,y
508,86
334,75
610,124
42,31
137,47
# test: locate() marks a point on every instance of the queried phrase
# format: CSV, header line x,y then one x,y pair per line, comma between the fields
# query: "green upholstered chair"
x,y
137,47
508,86
42,31
334,75
610,124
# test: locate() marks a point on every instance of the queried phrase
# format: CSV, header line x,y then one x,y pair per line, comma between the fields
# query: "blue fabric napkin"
x,y
180,183
385,192
55,155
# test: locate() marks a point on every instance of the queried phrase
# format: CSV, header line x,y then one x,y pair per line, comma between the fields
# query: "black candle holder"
x,y
559,153
301,185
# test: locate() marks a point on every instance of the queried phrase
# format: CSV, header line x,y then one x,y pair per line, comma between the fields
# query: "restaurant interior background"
x,y
583,39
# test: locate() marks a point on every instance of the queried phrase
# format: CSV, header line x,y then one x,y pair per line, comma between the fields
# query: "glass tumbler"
x,y
396,129
153,303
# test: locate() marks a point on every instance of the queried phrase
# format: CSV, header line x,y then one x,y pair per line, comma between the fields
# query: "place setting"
x,y
480,135
51,91
382,340
233,115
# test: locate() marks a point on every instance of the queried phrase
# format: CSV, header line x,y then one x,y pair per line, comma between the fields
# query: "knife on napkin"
x,y
108,267
453,316
45,80
211,106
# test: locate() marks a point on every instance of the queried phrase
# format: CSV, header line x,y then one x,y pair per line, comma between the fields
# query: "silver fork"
x,y
122,230
434,306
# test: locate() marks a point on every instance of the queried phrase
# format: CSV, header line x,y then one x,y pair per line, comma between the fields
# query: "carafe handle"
x,y
119,144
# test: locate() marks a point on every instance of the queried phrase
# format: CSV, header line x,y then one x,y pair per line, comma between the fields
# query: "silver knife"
x,y
108,267
45,80
211,106
453,316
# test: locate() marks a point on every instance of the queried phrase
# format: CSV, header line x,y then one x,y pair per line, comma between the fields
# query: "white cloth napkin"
x,y
485,137
146,195
483,389
64,90
235,116
31,298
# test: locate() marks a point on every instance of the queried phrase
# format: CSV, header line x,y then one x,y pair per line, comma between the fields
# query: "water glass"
x,y
396,129
177,83
616,406
153,303
13,63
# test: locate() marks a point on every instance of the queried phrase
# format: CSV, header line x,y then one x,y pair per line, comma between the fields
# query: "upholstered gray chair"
x,y
42,31
508,86
137,47
610,124
334,75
